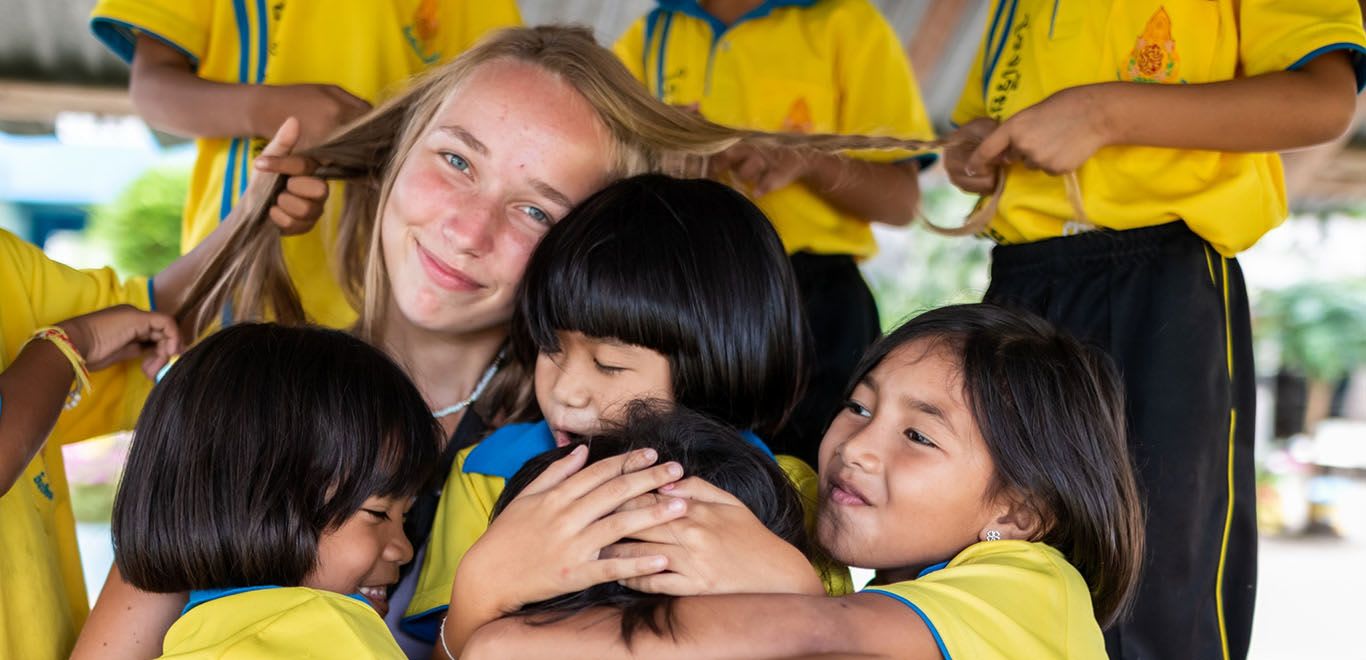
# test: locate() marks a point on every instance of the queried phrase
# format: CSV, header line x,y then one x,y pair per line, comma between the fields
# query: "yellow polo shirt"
x,y
474,486
368,47
1033,48
278,622
1004,599
42,591
828,66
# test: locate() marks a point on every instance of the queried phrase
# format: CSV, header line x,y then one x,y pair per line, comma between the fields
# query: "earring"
x,y
993,535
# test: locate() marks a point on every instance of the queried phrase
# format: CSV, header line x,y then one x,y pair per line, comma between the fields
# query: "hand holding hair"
x,y
123,332
301,199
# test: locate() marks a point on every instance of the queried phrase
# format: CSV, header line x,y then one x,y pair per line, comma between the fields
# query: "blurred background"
x,y
83,177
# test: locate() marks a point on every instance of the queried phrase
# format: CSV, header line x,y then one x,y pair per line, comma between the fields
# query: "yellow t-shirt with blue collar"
x,y
42,590
825,66
1034,48
1004,599
370,48
278,622
477,480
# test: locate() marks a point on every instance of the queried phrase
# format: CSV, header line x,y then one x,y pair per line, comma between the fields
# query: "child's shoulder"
x,y
1026,594
280,622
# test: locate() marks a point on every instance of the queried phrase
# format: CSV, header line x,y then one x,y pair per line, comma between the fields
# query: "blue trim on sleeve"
x,y
939,641
931,569
508,449
1357,53
424,625
121,38
151,295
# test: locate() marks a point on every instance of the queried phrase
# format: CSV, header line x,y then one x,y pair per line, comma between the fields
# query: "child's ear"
x,y
1013,519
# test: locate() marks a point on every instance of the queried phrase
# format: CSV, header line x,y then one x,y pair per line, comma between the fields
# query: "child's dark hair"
x,y
685,267
1051,412
705,448
256,442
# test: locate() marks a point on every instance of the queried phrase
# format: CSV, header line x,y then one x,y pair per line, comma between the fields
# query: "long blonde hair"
x,y
248,272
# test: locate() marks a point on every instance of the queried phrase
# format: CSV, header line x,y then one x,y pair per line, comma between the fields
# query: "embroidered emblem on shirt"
x,y
423,31
798,119
1154,58
43,487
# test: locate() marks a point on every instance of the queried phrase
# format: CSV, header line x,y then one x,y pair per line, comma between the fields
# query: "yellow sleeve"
x,y
836,577
45,292
462,515
972,100
469,21
630,49
181,24
1279,35
878,93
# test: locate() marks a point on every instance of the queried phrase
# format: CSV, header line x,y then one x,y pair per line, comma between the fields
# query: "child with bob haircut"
x,y
979,466
268,476
655,288
705,449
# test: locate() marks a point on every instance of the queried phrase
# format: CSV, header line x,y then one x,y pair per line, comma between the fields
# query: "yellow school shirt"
x,y
367,47
466,505
1034,48
1004,599
278,622
42,591
829,66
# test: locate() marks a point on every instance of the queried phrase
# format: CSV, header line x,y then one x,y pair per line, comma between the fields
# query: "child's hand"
x,y
320,109
299,205
961,146
547,541
1056,135
121,333
719,547
762,170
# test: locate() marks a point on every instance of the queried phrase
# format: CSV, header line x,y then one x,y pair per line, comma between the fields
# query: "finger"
x,y
751,168
606,496
697,488
667,583
625,524
648,499
296,206
289,225
557,472
289,165
601,571
989,150
308,187
589,478
285,138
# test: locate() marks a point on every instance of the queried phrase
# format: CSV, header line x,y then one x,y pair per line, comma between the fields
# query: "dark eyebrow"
x,y
465,136
551,193
927,408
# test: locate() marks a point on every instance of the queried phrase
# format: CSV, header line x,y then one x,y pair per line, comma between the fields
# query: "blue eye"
x,y
919,438
457,162
537,214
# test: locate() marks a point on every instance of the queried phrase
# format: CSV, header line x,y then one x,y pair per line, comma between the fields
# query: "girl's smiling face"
x,y
509,153
363,554
905,472
589,381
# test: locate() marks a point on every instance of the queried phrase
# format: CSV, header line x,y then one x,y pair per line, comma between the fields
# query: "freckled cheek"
x,y
419,196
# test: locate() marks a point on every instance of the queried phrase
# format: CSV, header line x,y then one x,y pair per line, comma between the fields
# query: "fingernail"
x,y
675,470
675,505
658,562
579,449
649,455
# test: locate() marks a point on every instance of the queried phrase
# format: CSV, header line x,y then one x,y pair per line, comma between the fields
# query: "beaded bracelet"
x,y
59,338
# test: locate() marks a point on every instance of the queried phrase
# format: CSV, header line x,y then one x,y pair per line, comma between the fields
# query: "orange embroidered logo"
x,y
423,31
1154,58
798,119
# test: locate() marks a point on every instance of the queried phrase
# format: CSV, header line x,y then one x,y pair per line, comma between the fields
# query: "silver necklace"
x,y
474,396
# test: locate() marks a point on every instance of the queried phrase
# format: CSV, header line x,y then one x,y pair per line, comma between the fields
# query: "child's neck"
x,y
445,368
729,11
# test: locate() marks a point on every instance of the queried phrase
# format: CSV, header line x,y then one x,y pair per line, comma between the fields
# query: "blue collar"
x,y
694,8
509,448
200,596
931,569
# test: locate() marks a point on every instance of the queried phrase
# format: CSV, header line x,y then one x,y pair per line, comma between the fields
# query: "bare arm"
x,y
171,98
127,623
1269,112
881,192
738,626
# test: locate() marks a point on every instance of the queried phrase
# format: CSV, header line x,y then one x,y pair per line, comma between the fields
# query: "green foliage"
x,y
917,270
1320,327
142,226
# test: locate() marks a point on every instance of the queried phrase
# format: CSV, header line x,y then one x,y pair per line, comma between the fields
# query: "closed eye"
x,y
607,368
380,515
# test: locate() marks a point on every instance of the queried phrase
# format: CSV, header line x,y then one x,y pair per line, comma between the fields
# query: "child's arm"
x,y
1268,112
738,626
882,192
34,388
171,98
127,623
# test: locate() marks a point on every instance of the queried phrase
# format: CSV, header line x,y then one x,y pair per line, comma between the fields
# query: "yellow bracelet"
x,y
58,338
